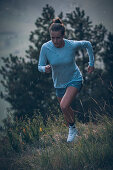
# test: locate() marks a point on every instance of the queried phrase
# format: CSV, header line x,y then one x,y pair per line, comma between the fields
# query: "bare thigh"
x,y
65,103
69,95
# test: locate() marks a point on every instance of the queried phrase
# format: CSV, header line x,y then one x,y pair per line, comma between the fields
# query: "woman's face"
x,y
57,39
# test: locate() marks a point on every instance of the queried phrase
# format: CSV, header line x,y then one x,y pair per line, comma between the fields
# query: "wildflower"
x,y
24,130
85,135
94,131
40,129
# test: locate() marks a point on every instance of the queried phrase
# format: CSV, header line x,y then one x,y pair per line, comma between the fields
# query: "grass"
x,y
93,150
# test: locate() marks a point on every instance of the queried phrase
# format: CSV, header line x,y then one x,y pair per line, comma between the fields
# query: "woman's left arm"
x,y
90,69
88,46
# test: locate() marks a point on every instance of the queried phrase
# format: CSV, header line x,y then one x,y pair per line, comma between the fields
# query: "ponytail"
x,y
57,25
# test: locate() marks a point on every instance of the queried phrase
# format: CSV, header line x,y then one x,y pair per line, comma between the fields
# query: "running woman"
x,y
67,78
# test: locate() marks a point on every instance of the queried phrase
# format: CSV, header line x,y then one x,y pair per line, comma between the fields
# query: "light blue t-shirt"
x,y
62,61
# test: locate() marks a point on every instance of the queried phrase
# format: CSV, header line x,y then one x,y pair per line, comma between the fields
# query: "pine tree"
x,y
26,89
107,76
107,56
81,28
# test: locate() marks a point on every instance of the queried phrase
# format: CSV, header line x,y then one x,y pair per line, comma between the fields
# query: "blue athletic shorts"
x,y
61,91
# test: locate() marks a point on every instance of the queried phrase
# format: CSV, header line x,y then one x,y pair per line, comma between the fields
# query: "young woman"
x,y
67,78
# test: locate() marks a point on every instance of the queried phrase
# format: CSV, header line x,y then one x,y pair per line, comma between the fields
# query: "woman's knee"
x,y
63,106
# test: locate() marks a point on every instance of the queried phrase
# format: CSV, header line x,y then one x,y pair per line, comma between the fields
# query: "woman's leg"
x,y
65,102
59,99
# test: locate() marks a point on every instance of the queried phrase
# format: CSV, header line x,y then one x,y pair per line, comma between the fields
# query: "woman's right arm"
x,y
42,59
42,67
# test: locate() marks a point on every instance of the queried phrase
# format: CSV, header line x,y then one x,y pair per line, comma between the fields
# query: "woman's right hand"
x,y
47,68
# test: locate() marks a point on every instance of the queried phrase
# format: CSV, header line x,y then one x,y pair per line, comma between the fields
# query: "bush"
x,y
24,132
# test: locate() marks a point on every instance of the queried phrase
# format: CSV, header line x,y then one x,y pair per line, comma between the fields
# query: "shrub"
x,y
24,132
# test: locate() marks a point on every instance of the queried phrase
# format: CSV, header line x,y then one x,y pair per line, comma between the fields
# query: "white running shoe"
x,y
72,134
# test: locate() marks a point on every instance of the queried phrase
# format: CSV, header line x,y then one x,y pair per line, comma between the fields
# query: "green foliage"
x,y
22,133
107,56
80,25
26,89
81,28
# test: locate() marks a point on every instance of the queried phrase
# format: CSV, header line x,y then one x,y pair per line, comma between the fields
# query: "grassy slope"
x,y
92,151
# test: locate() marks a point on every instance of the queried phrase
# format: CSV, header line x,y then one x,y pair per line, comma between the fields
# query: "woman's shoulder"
x,y
76,43
47,44
70,42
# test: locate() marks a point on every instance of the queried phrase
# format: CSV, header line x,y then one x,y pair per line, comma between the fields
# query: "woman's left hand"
x,y
90,69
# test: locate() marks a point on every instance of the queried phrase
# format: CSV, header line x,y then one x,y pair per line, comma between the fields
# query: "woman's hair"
x,y
57,25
